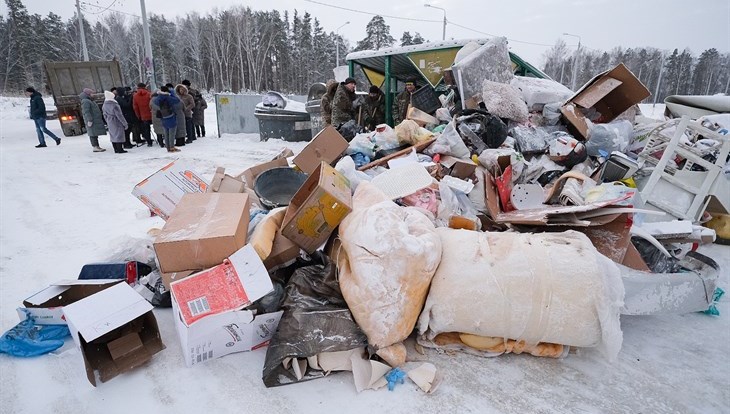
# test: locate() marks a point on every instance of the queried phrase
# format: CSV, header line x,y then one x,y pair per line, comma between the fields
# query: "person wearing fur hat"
x,y
325,104
115,121
188,105
93,118
38,115
167,113
342,107
373,109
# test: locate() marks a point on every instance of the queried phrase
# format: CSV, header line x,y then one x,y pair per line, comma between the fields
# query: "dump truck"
x,y
66,80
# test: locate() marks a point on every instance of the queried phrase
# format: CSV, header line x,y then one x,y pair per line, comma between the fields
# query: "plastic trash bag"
x,y
531,140
551,113
449,143
315,320
613,136
363,144
410,133
481,130
385,137
27,339
346,166
151,288
349,129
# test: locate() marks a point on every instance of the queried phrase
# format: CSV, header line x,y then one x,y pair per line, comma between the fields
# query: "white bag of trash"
x,y
388,257
498,291
504,101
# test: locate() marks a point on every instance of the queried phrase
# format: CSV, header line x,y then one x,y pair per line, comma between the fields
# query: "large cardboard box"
x,y
317,208
326,146
207,308
115,331
610,93
203,231
161,191
250,174
46,306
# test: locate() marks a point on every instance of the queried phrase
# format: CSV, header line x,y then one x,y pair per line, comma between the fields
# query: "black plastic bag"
x,y
481,130
316,319
657,261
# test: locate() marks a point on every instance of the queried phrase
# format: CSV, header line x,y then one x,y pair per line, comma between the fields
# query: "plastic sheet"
x,y
315,320
531,140
491,62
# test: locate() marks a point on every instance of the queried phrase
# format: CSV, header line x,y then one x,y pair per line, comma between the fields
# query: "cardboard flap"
x,y
326,146
105,311
85,288
125,345
596,92
215,183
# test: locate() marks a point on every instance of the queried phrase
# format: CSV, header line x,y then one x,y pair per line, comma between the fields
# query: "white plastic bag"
x,y
449,143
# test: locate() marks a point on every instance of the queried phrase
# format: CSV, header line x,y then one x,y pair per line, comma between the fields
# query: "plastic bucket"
x,y
277,186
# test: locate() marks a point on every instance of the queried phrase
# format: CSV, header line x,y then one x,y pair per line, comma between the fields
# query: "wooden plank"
x,y
419,147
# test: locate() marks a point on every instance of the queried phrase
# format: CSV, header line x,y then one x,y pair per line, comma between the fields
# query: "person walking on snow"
x,y
188,105
38,115
115,121
93,119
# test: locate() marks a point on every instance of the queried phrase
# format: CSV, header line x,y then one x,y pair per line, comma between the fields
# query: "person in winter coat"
x,y
188,104
92,118
342,109
143,112
400,106
325,105
157,121
180,132
115,121
124,99
198,110
168,103
373,109
38,115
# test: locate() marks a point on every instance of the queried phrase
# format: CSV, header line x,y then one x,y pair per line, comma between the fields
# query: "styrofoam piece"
x,y
402,181
458,184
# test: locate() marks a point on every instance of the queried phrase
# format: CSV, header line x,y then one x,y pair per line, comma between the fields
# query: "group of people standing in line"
x,y
175,113
340,105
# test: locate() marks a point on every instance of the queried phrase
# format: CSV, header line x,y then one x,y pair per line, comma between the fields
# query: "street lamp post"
x,y
337,44
443,35
575,61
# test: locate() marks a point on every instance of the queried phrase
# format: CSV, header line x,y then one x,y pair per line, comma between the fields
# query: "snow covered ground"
x,y
64,206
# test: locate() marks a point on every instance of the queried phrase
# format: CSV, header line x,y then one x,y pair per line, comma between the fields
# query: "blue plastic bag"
x,y
28,339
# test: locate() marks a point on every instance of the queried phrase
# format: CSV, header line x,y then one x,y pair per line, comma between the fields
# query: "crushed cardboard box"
x,y
327,146
610,93
161,191
207,308
250,174
203,231
224,183
115,330
317,208
46,306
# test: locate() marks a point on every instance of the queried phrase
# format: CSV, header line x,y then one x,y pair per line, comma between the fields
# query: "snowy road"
x,y
64,206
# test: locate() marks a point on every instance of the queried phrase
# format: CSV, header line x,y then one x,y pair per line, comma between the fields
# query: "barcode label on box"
x,y
199,306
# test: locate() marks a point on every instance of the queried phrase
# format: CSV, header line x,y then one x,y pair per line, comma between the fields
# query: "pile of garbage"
x,y
524,219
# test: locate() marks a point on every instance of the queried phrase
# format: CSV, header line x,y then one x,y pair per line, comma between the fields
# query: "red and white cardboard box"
x,y
46,306
161,191
207,308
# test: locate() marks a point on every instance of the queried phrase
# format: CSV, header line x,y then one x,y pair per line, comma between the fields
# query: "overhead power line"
x,y
105,9
373,14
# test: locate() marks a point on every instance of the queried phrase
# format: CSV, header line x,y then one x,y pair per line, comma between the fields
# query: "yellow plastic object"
x,y
629,182
721,224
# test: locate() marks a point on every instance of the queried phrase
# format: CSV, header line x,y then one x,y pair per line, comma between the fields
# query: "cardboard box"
x,y
610,93
161,191
326,146
224,183
168,278
46,306
457,167
283,252
317,208
203,231
207,308
115,330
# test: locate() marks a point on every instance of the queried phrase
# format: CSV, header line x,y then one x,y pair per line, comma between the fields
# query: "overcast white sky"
x,y
601,24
